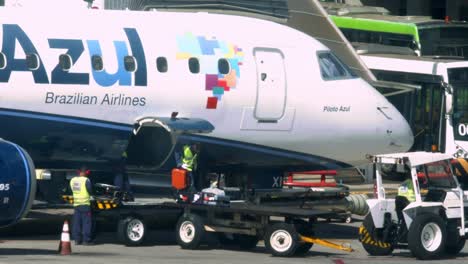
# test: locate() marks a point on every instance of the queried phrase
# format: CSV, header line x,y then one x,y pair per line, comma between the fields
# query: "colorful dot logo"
x,y
205,50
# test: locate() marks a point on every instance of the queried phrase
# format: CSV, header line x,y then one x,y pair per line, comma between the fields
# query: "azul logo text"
x,y
15,38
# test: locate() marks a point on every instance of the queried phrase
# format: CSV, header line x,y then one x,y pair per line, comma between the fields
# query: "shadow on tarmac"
x,y
337,231
26,251
261,249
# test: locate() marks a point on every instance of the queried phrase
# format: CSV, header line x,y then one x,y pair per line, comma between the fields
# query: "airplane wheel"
x,y
427,236
369,239
131,231
190,231
281,239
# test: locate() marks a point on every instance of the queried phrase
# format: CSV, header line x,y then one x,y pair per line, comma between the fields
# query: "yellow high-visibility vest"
x,y
80,193
406,190
189,160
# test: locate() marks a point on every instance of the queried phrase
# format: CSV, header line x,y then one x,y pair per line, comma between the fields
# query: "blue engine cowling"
x,y
17,183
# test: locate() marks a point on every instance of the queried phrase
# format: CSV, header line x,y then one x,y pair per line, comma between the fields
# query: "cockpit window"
x,y
332,68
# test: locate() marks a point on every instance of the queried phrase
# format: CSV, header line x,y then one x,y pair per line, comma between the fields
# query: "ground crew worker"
x,y
404,197
406,190
190,161
82,217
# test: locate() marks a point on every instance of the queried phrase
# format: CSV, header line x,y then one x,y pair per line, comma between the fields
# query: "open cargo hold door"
x,y
154,138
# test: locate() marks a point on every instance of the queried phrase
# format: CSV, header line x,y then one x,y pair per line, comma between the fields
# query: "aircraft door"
x,y
271,84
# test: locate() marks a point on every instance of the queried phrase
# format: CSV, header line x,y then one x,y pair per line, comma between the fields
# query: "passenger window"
x,y
32,61
161,64
2,61
194,65
130,63
98,64
65,62
223,66
332,68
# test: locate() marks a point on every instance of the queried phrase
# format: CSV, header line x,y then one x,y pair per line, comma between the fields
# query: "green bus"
x,y
424,35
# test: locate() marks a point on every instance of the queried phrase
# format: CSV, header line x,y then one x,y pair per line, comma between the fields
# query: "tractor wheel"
x,y
426,236
369,238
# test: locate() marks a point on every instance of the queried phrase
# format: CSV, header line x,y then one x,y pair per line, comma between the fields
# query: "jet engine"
x,y
17,183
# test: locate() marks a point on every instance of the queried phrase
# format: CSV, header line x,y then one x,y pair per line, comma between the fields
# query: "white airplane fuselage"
x,y
273,97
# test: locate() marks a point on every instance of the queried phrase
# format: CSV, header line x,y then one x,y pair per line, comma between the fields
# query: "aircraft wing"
x,y
311,18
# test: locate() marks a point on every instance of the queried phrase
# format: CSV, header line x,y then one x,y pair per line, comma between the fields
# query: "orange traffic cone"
x,y
65,245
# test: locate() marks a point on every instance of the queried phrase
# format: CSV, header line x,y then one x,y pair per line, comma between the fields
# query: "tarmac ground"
x,y
36,239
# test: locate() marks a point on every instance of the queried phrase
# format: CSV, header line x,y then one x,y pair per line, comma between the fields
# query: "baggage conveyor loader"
x,y
431,226
286,227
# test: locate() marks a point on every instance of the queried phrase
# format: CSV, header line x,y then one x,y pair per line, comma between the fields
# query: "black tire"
x,y
454,247
304,228
431,226
281,239
303,248
246,242
455,243
368,235
131,231
190,231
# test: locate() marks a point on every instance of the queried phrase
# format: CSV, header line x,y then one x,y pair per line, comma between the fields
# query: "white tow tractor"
x,y
431,226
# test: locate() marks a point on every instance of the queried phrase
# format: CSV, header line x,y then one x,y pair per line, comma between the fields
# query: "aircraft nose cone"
x,y
397,132
402,136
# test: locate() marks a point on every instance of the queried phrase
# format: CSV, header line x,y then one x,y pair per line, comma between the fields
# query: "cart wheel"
x,y
131,231
304,229
303,248
281,239
190,231
246,242
370,240
426,236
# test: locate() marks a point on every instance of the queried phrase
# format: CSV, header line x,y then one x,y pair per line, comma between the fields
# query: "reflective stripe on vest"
x,y
80,193
406,190
189,160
